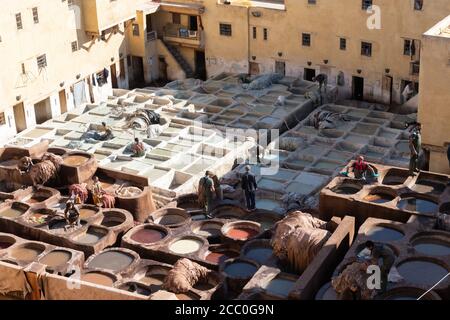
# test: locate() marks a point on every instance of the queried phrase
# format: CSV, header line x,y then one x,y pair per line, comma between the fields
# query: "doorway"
x,y
280,67
253,68
193,24
43,111
358,88
114,76
309,74
162,69
63,101
137,67
19,117
387,89
200,65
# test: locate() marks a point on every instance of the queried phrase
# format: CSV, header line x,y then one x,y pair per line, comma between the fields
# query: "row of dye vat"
x,y
423,257
403,199
98,228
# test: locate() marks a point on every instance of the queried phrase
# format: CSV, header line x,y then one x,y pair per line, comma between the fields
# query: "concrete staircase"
x,y
181,61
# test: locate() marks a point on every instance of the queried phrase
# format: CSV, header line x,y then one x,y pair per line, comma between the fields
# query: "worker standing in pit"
x,y
361,169
248,184
138,148
415,145
322,79
382,251
205,193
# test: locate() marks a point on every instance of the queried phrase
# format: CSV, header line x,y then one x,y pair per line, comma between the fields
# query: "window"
x,y
24,71
74,45
254,32
19,21
176,18
418,5
35,15
366,49
122,69
2,119
225,29
306,39
135,29
311,1
265,33
343,44
366,4
41,61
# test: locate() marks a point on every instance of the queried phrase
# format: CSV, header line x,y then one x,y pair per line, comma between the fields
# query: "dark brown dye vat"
x,y
148,235
136,288
218,257
395,177
6,242
56,258
347,189
379,198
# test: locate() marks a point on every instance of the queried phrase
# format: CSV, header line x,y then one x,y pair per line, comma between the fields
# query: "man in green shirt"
x,y
382,251
415,145
205,192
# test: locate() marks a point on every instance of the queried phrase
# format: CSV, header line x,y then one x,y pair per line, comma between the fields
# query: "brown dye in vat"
x,y
25,253
203,286
75,160
109,223
4,245
11,213
98,278
154,281
220,257
56,258
148,235
241,233
111,260
87,213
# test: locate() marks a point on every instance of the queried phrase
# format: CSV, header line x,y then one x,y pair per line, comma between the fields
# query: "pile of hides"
x,y
353,275
108,200
143,118
45,170
79,190
326,120
298,238
184,275
25,163
443,222
295,201
263,81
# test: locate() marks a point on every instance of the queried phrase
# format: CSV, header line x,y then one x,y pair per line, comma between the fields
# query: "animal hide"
x,y
353,274
184,275
298,238
42,172
79,190
108,201
55,159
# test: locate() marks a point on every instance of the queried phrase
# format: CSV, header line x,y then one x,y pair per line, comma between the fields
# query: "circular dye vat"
x,y
6,242
418,205
98,278
57,224
383,234
76,160
260,255
379,198
154,281
327,292
432,247
12,212
56,258
241,233
204,286
27,253
90,237
148,235
86,213
40,216
170,219
186,246
209,229
421,272
220,256
240,269
346,189
111,260
280,286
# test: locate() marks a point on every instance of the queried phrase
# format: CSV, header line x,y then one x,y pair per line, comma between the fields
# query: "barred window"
x,y
41,61
225,29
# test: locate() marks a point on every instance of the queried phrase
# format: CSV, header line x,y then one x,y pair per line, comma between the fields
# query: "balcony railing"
x,y
181,34
152,36
415,68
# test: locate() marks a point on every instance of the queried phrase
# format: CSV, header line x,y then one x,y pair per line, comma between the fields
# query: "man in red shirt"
x,y
360,169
